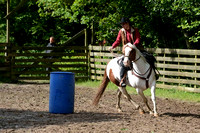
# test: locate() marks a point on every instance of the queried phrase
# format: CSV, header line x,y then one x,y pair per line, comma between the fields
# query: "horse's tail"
x,y
101,89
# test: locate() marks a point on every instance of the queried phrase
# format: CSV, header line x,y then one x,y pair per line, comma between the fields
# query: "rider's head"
x,y
125,23
52,39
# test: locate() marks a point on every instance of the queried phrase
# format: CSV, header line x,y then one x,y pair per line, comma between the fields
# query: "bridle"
x,y
128,56
134,72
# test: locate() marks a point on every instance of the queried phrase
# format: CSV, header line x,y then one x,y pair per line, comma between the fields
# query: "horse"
x,y
140,77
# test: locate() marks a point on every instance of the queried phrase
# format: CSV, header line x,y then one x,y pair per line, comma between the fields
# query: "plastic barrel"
x,y
61,95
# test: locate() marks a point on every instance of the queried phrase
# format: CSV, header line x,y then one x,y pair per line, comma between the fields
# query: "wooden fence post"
x,y
87,52
164,68
8,47
7,29
195,71
179,69
92,33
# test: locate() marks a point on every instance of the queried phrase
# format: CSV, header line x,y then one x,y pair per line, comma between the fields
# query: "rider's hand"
x,y
110,49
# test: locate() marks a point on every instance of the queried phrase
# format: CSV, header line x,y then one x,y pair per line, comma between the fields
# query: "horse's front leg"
x,y
126,95
153,98
140,92
119,93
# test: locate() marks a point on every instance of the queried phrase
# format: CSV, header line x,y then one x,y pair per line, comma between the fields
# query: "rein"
x,y
115,55
141,74
137,59
143,78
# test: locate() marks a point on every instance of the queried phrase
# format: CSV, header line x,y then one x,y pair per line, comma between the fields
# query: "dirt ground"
x,y
25,108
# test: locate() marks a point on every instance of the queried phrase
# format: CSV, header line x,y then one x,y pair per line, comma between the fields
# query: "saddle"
x,y
151,60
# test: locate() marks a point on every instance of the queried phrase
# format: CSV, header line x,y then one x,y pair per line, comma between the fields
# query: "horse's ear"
x,y
133,46
123,50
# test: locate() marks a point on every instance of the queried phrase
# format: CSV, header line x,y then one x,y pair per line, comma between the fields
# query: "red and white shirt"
x,y
136,37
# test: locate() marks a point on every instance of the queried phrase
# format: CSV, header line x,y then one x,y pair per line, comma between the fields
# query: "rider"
x,y
126,34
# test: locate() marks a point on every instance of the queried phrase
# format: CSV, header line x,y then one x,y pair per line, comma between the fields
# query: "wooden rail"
x,y
32,63
179,68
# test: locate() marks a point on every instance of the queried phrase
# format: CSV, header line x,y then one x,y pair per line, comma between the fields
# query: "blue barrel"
x,y
61,95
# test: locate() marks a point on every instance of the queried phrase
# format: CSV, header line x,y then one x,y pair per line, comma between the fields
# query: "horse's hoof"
x,y
151,113
141,111
156,114
119,110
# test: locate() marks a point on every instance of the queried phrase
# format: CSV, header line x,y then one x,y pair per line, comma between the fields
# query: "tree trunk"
x,y
188,44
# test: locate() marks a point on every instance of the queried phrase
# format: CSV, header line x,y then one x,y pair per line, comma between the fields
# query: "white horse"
x,y
141,77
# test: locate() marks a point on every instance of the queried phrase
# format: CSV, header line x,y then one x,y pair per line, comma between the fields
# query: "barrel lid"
x,y
61,72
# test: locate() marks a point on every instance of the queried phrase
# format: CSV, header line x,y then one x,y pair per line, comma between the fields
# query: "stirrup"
x,y
123,84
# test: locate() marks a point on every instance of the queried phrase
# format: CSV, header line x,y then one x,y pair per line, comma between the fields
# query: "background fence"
x,y
4,63
179,68
33,63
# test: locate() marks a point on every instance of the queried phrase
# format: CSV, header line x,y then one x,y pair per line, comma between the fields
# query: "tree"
x,y
181,14
162,23
2,21
189,20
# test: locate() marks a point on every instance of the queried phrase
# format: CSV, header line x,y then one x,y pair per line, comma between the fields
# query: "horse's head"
x,y
129,54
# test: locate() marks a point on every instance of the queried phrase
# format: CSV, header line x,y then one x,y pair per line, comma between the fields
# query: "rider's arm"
x,y
117,41
136,37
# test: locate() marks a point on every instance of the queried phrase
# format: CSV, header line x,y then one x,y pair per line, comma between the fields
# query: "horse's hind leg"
x,y
119,93
126,95
140,92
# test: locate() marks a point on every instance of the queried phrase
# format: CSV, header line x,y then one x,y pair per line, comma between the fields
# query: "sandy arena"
x,y
25,108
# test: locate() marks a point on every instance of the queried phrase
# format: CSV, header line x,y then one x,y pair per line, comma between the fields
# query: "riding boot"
x,y
122,74
123,80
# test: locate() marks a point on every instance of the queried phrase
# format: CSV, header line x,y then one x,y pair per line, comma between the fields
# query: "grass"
x,y
161,93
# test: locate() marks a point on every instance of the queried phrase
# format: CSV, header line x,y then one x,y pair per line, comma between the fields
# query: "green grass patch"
x,y
161,93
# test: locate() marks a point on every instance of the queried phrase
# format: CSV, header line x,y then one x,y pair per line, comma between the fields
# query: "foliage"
x,y
30,27
184,14
162,23
2,21
190,21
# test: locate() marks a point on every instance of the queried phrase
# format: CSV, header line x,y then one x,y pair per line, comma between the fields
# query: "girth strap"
x,y
147,78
